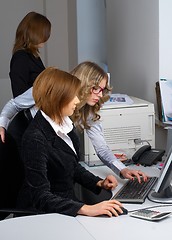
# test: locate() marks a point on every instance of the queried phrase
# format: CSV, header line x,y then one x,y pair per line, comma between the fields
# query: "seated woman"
x,y
50,152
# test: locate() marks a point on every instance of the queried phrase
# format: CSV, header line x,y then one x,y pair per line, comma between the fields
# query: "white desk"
x,y
60,227
43,227
126,227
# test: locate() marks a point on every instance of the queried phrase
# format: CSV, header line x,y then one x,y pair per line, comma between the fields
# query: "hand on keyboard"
x,y
109,183
131,173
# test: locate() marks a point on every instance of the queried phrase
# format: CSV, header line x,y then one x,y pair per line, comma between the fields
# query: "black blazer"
x,y
51,170
24,68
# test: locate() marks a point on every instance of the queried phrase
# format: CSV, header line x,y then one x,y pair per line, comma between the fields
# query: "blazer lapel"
x,y
60,144
50,134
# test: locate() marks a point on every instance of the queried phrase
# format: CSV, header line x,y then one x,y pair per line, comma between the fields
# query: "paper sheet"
x,y
166,98
119,99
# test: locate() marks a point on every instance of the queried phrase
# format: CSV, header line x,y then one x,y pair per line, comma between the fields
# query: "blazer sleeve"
x,y
87,179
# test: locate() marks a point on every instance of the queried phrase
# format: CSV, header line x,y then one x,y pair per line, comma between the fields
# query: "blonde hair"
x,y
53,89
34,29
90,75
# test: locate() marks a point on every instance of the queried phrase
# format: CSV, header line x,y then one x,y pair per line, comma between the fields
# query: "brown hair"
x,y
53,89
90,75
34,29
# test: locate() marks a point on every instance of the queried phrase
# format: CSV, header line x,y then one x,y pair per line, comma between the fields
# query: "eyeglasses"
x,y
97,90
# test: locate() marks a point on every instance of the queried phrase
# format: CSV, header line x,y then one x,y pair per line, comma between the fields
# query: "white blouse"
x,y
62,130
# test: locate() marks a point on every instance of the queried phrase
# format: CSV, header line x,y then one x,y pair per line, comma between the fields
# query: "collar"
x,y
65,128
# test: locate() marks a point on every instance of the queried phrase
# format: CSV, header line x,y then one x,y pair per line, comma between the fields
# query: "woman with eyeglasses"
x,y
94,92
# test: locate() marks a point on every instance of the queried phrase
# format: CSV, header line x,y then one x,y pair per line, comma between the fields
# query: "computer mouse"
x,y
125,211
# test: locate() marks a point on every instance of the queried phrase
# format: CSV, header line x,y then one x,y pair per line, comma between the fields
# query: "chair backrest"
x,y
11,168
11,172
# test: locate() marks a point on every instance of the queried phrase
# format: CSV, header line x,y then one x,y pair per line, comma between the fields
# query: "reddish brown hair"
x,y
53,89
34,29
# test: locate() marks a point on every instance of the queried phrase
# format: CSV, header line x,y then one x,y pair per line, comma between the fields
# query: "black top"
x,y
24,68
51,170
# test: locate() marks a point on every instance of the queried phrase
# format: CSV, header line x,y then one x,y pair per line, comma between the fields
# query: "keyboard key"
x,y
135,192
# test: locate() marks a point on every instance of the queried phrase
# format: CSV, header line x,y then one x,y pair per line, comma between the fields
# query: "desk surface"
x,y
43,227
56,226
126,227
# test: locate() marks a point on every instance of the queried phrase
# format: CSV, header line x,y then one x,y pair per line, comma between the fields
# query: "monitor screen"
x,y
162,193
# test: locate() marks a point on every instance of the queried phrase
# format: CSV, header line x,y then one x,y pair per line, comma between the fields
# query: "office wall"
x,y
165,39
91,31
133,46
63,22
133,50
165,47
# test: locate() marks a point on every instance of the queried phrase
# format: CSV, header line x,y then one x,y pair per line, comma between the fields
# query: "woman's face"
x,y
96,93
69,109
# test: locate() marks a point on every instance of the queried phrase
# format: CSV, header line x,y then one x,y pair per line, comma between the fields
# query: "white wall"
x,y
91,31
133,46
133,50
165,46
57,46
165,39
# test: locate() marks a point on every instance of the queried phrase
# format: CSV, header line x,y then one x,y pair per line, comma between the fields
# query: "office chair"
x,y
11,177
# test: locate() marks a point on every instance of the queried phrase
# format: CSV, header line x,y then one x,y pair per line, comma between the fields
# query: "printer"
x,y
126,127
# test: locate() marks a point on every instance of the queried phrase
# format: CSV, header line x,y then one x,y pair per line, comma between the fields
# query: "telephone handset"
x,y
147,156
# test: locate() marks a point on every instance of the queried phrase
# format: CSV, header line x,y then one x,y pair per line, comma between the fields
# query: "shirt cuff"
x,y
117,166
4,122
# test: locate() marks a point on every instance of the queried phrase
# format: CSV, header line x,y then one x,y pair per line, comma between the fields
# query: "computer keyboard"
x,y
135,192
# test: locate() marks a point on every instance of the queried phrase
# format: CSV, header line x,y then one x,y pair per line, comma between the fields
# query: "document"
x,y
118,98
166,99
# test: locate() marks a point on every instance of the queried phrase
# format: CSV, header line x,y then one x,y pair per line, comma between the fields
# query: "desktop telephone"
x,y
147,156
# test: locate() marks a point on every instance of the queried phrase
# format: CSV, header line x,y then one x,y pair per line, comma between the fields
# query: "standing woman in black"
x,y
31,34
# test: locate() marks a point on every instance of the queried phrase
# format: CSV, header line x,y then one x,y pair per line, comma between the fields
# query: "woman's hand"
x,y
131,173
108,183
2,134
109,208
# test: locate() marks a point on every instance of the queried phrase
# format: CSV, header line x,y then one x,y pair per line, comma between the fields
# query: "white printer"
x,y
126,128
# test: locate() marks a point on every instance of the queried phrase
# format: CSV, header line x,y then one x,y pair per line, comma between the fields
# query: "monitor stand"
x,y
162,197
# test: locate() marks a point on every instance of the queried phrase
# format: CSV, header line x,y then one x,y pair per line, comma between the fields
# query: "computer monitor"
x,y
162,193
